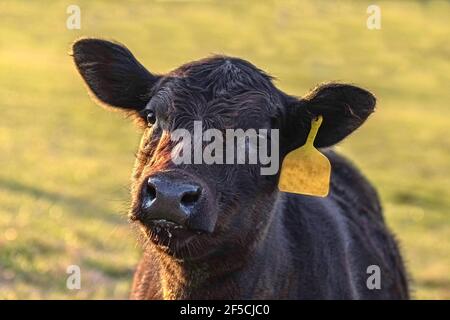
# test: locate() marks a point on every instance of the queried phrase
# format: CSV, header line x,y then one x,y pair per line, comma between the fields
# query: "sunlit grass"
x,y
65,163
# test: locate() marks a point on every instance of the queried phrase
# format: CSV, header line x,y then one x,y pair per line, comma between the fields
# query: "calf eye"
x,y
151,118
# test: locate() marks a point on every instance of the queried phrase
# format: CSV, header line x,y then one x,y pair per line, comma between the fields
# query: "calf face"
x,y
192,210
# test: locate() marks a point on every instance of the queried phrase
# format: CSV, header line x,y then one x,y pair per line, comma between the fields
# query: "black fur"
x,y
265,244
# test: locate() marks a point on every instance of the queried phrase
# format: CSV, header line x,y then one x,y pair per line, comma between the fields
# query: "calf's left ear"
x,y
343,107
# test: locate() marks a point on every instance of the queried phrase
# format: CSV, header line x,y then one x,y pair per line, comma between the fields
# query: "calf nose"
x,y
170,199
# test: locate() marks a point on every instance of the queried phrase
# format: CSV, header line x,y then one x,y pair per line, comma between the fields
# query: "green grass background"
x,y
65,163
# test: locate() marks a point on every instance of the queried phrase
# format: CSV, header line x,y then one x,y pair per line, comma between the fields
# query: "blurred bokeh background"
x,y
65,163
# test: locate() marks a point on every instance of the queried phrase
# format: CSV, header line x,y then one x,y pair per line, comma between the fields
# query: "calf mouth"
x,y
168,233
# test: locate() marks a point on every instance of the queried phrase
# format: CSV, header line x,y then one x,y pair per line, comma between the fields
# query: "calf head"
x,y
193,210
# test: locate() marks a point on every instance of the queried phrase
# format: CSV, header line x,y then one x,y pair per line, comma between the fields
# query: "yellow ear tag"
x,y
305,170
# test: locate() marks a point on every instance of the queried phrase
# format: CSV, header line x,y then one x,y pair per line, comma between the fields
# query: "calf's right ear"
x,y
113,75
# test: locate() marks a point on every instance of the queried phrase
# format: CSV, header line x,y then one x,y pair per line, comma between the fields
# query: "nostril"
x,y
151,192
189,198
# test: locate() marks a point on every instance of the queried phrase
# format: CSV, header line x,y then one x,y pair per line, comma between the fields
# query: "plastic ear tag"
x,y
305,170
